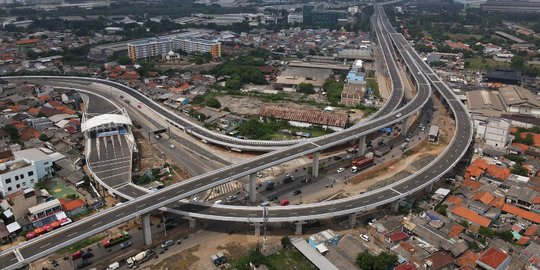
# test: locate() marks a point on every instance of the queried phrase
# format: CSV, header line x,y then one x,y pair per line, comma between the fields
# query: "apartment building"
x,y
160,46
193,45
149,48
16,175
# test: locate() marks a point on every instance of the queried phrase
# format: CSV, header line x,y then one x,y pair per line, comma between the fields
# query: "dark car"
x,y
272,197
336,158
296,192
83,264
87,255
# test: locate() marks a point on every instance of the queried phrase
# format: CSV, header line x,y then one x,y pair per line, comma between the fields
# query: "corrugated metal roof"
x,y
306,116
312,255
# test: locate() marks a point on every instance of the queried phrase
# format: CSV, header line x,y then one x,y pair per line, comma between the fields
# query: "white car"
x,y
398,115
340,170
172,146
195,198
258,174
230,198
364,237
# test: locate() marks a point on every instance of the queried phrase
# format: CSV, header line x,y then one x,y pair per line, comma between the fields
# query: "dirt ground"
x,y
252,106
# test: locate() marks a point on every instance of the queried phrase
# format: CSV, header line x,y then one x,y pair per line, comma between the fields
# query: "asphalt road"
x,y
107,219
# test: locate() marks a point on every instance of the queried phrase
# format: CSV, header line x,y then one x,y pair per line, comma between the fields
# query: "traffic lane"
x,y
131,191
98,104
7,259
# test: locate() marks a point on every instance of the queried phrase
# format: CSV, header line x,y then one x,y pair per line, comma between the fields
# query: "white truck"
x,y
139,258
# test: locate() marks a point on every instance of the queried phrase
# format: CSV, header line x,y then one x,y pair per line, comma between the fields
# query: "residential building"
x,y
192,45
295,18
74,207
44,213
15,175
20,201
149,48
41,161
494,259
439,261
306,118
322,17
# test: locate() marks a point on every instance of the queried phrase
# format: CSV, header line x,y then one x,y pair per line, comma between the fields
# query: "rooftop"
x,y
493,257
306,116
470,215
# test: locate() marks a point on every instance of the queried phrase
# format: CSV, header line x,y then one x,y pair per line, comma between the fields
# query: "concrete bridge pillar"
x,y
252,188
299,226
362,146
147,230
405,125
315,167
257,226
192,222
429,188
352,220
395,206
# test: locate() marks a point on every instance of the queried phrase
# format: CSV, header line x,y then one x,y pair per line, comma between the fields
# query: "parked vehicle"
x,y
77,254
284,203
125,244
362,163
87,255
113,266
83,264
265,203
115,239
382,151
340,170
167,244
364,237
296,192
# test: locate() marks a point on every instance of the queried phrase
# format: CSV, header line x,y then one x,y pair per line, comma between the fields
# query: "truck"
x,y
361,163
140,258
382,151
115,239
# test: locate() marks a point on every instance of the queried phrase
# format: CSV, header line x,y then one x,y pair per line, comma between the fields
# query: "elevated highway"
x,y
170,196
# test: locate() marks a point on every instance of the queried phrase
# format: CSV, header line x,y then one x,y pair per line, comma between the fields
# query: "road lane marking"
x,y
96,224
119,215
71,234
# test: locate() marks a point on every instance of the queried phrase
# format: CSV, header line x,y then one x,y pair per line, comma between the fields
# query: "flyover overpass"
x,y
48,243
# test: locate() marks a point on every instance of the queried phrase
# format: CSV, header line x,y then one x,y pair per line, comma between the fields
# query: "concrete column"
x,y
352,220
147,230
257,226
315,167
299,226
362,146
429,188
192,222
395,206
405,125
252,188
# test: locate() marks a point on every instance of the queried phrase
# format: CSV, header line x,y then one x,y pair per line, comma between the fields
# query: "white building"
x,y
41,161
17,174
494,132
295,18
520,100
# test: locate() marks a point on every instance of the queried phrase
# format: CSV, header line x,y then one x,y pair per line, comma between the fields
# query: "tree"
x,y
12,132
519,170
286,242
124,60
442,209
254,129
383,261
306,88
233,84
43,138
213,102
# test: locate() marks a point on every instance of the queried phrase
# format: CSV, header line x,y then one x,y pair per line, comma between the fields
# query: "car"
x,y
336,158
167,244
297,192
272,197
157,136
125,244
218,202
423,128
284,203
172,146
340,170
372,221
364,237
76,254
87,255
258,174
195,198
420,126
230,198
265,203
83,264
113,266
398,115
349,156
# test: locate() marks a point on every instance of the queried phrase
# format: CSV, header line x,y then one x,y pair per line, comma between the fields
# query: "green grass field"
x,y
479,64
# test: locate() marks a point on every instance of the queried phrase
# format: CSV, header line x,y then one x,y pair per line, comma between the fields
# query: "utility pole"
x,y
265,220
